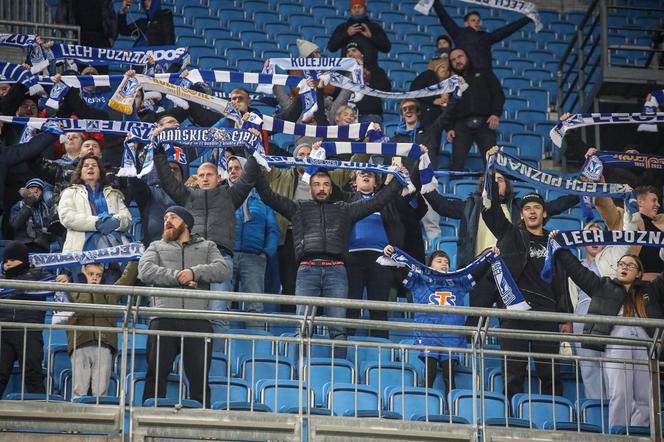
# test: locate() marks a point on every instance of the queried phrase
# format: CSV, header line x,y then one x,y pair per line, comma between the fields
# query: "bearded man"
x,y
180,260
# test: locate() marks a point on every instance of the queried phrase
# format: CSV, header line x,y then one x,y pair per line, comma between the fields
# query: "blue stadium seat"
x,y
530,145
560,223
571,426
420,38
173,390
245,349
202,51
322,12
287,40
595,412
501,55
410,57
537,74
503,71
530,116
515,104
508,127
276,28
412,402
171,403
234,54
522,188
265,367
557,47
361,355
496,405
212,62
522,45
388,64
34,397
562,27
400,77
229,16
541,57
289,9
300,19
262,18
283,396
549,16
463,188
537,97
227,390
412,358
206,22
324,371
539,408
191,40
631,430
350,399
402,28
493,22
249,65
515,83
389,374
274,53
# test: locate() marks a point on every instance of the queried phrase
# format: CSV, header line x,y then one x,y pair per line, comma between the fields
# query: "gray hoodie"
x,y
162,261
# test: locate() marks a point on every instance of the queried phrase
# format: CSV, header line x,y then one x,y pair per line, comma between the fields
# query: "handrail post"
x,y
605,59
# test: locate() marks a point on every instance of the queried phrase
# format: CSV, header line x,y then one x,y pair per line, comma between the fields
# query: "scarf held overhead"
x,y
509,292
522,7
141,128
590,119
583,238
121,253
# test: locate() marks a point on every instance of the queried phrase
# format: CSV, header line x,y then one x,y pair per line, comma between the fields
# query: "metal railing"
x,y
291,358
590,56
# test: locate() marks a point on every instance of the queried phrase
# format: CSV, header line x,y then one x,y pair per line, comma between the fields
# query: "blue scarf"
x,y
51,125
583,238
543,180
18,74
631,160
509,291
121,253
97,199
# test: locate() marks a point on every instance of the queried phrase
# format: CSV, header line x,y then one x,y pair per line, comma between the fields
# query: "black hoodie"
x,y
484,95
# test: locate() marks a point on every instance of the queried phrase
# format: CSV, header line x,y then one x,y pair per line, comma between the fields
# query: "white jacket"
x,y
76,214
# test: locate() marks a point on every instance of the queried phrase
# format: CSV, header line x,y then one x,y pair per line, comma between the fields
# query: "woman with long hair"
x,y
90,209
628,385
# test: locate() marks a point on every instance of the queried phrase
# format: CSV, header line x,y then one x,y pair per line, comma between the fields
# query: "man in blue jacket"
x,y
256,239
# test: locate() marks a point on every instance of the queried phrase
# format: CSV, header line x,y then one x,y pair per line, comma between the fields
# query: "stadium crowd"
x,y
248,229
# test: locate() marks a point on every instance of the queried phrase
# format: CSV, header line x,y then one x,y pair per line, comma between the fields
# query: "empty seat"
x,y
495,405
244,347
530,145
350,399
361,355
265,367
387,374
595,412
283,396
515,83
530,117
414,402
539,408
322,371
537,97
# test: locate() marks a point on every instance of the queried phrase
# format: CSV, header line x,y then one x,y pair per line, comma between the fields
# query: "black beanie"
x,y
183,213
16,250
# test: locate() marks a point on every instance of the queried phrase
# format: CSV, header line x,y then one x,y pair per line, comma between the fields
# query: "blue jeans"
x,y
221,305
249,277
329,282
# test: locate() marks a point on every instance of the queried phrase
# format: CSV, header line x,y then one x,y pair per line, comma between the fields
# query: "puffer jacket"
x,y
320,230
86,337
76,214
162,261
19,315
213,209
608,295
260,234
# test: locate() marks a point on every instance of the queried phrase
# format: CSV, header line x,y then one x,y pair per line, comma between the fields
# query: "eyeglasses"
x,y
408,109
627,265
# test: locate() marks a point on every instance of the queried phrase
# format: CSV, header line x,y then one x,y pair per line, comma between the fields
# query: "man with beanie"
x,y
523,248
26,347
30,217
471,38
213,206
181,259
369,35
477,113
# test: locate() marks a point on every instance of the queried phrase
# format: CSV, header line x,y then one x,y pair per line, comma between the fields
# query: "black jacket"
x,y
159,31
468,211
483,97
430,111
370,47
513,243
16,154
320,230
608,295
30,316
477,44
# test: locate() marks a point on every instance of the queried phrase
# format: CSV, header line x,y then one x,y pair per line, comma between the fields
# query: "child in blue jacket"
x,y
426,290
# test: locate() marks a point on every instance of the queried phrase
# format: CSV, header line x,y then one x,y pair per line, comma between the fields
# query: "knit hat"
x,y
353,44
183,213
16,250
436,62
532,197
352,3
306,48
35,182
304,142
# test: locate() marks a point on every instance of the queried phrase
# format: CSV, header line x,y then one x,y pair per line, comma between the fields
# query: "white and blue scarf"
x,y
18,74
583,238
100,56
519,6
524,172
121,253
509,291
629,160
589,119
654,101
143,129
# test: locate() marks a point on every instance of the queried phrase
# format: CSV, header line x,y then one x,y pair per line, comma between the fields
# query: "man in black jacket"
x,y
25,347
523,248
321,234
369,35
470,38
477,114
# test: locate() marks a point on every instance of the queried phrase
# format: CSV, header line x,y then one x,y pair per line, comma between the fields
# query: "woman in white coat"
x,y
88,207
